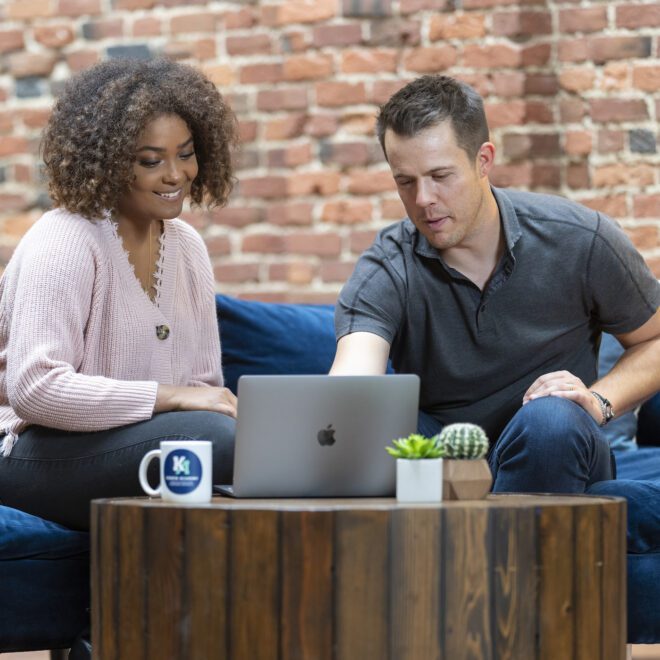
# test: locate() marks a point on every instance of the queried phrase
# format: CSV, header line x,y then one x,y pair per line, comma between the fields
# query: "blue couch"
x,y
44,567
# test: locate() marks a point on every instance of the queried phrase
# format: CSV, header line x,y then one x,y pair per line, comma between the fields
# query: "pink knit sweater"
x,y
78,343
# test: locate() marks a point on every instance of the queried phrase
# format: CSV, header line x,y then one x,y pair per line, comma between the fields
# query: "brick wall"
x,y
572,91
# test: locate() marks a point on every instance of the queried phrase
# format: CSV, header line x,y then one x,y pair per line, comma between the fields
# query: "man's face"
x,y
442,190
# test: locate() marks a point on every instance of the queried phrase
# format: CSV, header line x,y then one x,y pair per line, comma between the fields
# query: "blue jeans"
x,y
551,445
55,474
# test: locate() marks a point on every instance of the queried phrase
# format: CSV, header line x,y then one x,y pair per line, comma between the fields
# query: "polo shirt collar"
x,y
508,218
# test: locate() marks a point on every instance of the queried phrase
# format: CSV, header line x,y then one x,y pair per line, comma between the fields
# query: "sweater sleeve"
x,y
54,291
206,367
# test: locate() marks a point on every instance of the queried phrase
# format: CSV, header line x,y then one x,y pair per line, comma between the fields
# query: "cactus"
x,y
462,441
415,446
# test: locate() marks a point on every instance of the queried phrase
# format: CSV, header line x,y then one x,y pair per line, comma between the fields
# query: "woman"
x,y
108,334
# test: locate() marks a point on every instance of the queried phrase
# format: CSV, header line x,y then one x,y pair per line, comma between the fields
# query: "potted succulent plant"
x,y
448,466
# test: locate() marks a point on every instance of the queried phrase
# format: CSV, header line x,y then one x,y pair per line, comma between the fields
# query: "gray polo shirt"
x,y
567,274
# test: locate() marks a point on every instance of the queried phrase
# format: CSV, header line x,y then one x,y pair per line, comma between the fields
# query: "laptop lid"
x,y
321,436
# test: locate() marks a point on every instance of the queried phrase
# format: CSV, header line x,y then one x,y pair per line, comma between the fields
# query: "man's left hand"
x,y
564,384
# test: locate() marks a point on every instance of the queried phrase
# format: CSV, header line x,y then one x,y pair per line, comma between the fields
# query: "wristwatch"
x,y
605,408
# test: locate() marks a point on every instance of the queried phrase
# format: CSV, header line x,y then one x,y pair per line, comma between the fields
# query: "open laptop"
x,y
320,436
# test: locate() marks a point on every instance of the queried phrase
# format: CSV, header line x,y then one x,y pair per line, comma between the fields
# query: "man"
x,y
497,300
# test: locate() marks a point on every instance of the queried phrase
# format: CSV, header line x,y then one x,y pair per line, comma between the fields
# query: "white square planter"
x,y
419,480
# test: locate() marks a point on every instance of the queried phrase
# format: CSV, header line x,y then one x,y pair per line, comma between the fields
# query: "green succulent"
x,y
462,441
415,446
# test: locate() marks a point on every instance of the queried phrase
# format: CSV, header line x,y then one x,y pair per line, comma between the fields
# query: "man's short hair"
x,y
430,100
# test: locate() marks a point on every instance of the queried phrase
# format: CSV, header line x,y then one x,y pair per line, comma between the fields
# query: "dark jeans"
x,y
55,474
551,445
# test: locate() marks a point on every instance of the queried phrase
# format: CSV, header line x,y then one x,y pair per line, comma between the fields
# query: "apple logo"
x,y
326,436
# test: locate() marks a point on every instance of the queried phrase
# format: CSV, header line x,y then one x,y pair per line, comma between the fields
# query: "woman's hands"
x,y
215,399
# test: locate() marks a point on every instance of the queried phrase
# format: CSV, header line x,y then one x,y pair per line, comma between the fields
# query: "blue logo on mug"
x,y
182,471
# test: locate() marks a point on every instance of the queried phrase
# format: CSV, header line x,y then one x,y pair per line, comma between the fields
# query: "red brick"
x,y
236,216
29,9
263,243
307,67
247,159
24,64
334,94
133,4
573,50
392,209
267,296
646,206
346,34
646,78
267,187
290,156
26,174
624,174
430,59
370,182
197,49
148,26
536,55
16,224
6,122
491,57
610,141
76,8
218,246
615,205
321,125
541,84
605,110
457,26
220,75
242,19
359,241
638,16
382,90
578,176
286,128
298,11
35,118
504,83
54,36
347,212
312,298
654,265
577,79
247,131
12,146
261,73
615,77
578,143
364,8
571,110
313,183
197,22
602,49
521,23
394,33
236,272
249,45
644,237
373,60
508,113
517,175
346,154
11,40
535,145
589,19
336,271
293,272
319,244
78,60
297,214
413,6
546,175
282,99
359,123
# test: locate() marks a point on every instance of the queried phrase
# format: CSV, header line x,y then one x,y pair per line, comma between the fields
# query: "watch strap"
x,y
605,408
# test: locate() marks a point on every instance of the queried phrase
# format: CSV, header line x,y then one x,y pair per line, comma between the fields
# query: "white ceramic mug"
x,y
185,471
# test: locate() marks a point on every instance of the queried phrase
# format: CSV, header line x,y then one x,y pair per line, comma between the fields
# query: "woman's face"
x,y
164,168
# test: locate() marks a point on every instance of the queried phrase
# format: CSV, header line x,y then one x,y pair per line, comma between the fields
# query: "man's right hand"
x,y
215,399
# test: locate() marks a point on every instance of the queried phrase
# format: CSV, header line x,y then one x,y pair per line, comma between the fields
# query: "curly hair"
x,y
89,142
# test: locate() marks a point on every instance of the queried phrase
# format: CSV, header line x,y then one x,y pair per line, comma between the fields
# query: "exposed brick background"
x,y
572,91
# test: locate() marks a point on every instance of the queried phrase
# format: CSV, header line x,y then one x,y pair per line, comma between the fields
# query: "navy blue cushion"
x,y
274,338
24,536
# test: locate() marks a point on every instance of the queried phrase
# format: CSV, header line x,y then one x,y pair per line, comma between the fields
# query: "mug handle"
x,y
142,473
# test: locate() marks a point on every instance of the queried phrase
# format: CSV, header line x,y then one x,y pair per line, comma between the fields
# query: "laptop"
x,y
320,436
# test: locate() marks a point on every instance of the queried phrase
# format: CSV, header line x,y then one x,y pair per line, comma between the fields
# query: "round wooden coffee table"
x,y
513,576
